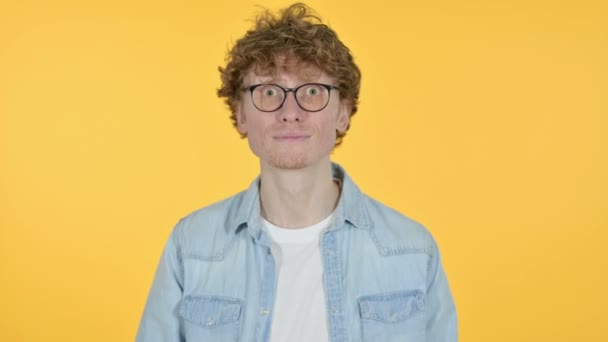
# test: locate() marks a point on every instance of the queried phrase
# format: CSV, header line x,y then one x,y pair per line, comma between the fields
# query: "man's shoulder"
x,y
206,232
396,233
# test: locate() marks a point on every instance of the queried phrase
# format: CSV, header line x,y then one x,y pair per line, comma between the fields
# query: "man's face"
x,y
291,137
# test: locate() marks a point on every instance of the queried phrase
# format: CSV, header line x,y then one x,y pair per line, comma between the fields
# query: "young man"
x,y
302,255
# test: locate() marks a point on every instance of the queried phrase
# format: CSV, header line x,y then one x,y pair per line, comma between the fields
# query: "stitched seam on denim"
x,y
217,257
180,263
234,306
267,297
433,247
388,296
384,251
366,305
334,289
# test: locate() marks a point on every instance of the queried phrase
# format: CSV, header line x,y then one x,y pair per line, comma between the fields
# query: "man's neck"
x,y
298,198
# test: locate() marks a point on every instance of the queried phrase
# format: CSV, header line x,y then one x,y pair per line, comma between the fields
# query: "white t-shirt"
x,y
299,308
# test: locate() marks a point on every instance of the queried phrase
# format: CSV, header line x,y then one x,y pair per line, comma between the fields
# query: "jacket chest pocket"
x,y
211,318
395,316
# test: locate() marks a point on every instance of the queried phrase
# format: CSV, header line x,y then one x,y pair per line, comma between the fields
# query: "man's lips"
x,y
291,136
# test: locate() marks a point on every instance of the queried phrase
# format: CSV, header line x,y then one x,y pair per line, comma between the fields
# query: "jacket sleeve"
x,y
440,309
160,320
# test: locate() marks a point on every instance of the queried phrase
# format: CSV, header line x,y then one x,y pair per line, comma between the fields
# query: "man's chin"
x,y
289,162
290,165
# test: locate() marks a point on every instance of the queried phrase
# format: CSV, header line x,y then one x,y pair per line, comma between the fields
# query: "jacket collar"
x,y
351,206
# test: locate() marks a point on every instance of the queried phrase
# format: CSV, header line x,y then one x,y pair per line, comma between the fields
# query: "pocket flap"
x,y
392,307
210,311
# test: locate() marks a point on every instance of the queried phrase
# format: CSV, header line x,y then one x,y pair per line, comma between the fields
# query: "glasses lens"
x,y
312,97
268,97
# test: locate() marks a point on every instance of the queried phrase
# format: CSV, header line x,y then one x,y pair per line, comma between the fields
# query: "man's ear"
x,y
344,116
241,120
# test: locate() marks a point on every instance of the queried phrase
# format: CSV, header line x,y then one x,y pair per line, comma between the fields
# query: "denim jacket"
x,y
382,276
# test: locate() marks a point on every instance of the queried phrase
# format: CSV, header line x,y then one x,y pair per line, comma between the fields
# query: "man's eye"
x,y
270,92
312,91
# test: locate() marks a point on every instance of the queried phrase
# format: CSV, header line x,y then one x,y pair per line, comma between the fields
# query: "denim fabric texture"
x,y
382,275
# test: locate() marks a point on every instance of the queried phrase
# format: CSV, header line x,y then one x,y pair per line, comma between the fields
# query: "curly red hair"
x,y
296,35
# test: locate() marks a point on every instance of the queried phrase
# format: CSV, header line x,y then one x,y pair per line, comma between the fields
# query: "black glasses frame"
x,y
329,88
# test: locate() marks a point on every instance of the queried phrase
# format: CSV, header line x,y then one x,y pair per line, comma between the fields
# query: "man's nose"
x,y
291,111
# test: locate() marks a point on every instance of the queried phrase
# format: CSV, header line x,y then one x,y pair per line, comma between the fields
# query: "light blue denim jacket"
x,y
382,275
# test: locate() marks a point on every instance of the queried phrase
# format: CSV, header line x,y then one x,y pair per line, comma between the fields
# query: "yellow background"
x,y
485,120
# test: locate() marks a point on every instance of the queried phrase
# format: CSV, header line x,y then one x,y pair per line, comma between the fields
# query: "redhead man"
x,y
302,254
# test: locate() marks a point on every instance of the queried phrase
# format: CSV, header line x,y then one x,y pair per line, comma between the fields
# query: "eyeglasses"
x,y
312,97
